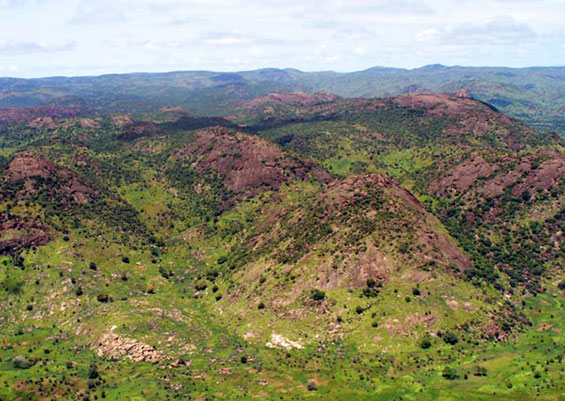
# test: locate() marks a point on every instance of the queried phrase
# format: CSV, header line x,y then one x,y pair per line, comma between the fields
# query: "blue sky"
x,y
79,37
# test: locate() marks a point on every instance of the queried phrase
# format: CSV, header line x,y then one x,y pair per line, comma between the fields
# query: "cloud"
x,y
220,38
16,48
97,16
499,30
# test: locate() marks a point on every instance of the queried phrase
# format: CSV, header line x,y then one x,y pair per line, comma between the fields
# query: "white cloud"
x,y
159,35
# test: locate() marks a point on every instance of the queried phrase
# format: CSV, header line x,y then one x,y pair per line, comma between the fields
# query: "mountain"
x,y
303,245
533,95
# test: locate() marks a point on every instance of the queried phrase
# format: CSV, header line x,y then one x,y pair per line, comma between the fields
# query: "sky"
x,y
91,37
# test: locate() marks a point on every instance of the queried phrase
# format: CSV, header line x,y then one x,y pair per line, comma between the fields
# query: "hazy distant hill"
x,y
533,95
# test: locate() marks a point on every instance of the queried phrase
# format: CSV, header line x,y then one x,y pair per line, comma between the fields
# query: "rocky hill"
x,y
303,246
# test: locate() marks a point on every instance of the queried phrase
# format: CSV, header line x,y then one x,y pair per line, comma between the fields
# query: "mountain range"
x,y
534,95
243,235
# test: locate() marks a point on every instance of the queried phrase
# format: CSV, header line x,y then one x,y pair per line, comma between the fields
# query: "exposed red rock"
x,y
17,232
27,166
546,176
461,177
292,99
246,162
16,114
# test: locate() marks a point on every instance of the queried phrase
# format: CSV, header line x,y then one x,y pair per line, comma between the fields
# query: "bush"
x,y
450,338
317,295
416,292
93,372
201,285
93,266
13,286
103,298
311,386
480,371
359,310
243,359
125,259
20,362
425,344
450,374
261,306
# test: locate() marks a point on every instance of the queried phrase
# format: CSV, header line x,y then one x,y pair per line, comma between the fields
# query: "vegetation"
x,y
135,265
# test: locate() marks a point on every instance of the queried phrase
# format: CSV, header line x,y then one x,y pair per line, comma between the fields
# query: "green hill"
x,y
302,247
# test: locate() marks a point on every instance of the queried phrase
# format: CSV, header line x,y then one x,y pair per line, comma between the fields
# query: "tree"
x,y
425,344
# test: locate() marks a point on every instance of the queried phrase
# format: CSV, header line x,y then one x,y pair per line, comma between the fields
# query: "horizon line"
x,y
429,66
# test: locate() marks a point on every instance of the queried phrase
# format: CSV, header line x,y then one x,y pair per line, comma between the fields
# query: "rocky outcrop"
x,y
247,162
461,177
17,232
293,99
116,347
28,166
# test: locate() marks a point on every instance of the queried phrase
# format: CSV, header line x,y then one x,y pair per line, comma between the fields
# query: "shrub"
x,y
93,372
103,298
359,310
13,286
450,338
450,374
261,306
243,359
480,371
201,285
416,292
317,295
20,362
425,344
311,386
93,266
125,259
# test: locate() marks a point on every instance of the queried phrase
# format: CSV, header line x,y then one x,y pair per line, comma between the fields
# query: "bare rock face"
x,y
523,176
246,162
464,93
17,232
461,177
115,347
27,167
293,99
